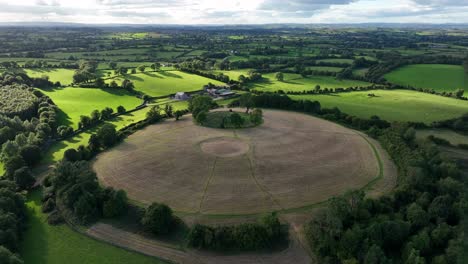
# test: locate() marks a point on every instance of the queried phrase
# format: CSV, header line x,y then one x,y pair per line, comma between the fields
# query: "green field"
x,y
74,102
55,151
46,244
439,77
453,137
394,105
295,82
64,76
166,82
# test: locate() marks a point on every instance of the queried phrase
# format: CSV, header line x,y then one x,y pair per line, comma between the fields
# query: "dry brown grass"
x,y
293,160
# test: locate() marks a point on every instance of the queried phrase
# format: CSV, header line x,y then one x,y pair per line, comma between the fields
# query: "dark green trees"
x,y
158,219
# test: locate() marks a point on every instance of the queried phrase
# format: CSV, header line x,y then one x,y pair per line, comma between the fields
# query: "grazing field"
x,y
74,102
453,137
297,83
225,172
56,150
439,77
166,82
47,244
393,105
325,68
64,76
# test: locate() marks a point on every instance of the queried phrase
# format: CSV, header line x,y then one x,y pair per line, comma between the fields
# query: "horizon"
x,y
238,12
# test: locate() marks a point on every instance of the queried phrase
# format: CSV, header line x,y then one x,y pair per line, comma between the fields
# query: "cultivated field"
x,y
295,82
188,167
166,82
393,105
439,77
74,102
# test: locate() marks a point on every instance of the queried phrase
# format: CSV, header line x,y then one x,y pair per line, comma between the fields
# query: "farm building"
x,y
181,96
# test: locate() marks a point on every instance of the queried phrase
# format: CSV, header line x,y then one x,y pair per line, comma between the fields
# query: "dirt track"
x,y
292,160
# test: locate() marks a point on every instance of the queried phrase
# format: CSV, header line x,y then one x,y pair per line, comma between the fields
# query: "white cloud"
x,y
234,11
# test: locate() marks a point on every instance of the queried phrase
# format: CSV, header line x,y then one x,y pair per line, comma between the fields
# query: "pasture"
x,y
164,83
196,169
56,150
393,105
297,83
451,136
439,77
74,102
64,76
46,244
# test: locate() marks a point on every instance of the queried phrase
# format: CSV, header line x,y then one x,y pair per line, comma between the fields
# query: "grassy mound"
x,y
439,77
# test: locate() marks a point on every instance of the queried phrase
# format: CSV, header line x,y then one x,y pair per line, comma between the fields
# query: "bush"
x,y
55,218
115,203
158,219
262,235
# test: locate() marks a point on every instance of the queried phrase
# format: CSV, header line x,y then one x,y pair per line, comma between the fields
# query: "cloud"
x,y
234,11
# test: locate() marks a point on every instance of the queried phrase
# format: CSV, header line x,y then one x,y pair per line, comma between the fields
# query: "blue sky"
x,y
235,11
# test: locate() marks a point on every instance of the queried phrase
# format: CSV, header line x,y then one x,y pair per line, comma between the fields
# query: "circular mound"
x,y
291,161
224,147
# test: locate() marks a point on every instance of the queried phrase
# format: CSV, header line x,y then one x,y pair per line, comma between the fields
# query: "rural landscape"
x,y
272,143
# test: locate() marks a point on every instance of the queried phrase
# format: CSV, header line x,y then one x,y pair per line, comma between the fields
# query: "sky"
x,y
234,11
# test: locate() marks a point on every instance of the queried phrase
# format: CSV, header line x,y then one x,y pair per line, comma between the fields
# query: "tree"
x,y
12,164
95,116
121,109
169,110
128,85
246,100
113,65
113,84
199,104
7,257
115,203
201,117
100,82
236,120
85,121
31,154
154,114
142,68
23,178
256,116
158,219
107,135
71,155
459,93
178,114
122,70
241,78
279,76
375,255
155,66
106,113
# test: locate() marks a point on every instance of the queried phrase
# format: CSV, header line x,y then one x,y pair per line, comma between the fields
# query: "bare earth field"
x,y
290,162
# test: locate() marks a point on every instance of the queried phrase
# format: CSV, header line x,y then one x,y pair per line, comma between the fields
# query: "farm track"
x,y
134,242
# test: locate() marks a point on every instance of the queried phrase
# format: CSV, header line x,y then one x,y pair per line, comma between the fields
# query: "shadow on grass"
x,y
170,74
34,246
152,75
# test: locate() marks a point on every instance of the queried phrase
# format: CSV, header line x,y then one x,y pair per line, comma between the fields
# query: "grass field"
x,y
216,172
395,105
64,76
46,244
74,102
295,82
55,151
166,82
441,78
449,135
